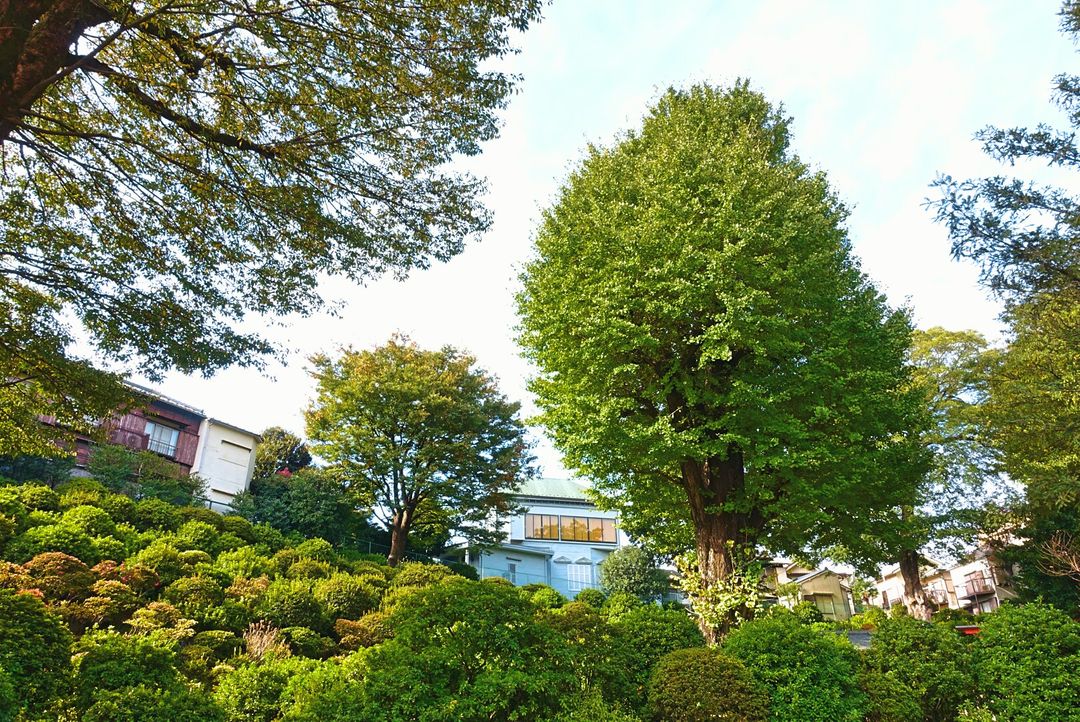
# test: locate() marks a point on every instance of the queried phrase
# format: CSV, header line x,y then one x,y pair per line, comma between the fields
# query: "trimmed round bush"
x,y
203,514
646,633
38,497
35,650
929,662
593,597
110,602
11,505
345,596
243,562
109,547
156,514
56,538
810,675
60,576
1026,660
367,631
120,508
238,525
268,537
194,593
89,519
163,559
198,535
418,574
306,568
291,603
318,549
307,643
701,685
547,598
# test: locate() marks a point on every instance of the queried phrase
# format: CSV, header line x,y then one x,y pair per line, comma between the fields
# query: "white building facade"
x,y
225,459
560,539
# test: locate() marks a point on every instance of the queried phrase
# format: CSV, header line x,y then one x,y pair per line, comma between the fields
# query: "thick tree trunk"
x,y
36,39
399,536
709,484
916,599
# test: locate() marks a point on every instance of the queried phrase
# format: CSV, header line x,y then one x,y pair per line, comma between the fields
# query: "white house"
x,y
560,538
225,458
979,584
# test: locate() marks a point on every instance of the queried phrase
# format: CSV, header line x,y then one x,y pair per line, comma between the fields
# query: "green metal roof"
x,y
554,489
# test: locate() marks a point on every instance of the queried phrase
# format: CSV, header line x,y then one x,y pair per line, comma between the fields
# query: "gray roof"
x,y
554,489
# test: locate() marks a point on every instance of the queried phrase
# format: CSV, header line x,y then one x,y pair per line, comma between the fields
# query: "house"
x,y
828,590
558,538
978,584
937,582
220,453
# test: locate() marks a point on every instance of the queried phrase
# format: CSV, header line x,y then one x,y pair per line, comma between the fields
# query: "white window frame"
x,y
579,576
156,442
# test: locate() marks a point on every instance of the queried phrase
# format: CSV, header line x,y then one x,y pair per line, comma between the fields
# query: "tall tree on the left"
x,y
168,169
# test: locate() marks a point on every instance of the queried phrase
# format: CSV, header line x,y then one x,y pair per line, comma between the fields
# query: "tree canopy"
x,y
279,450
170,169
708,349
1025,236
424,435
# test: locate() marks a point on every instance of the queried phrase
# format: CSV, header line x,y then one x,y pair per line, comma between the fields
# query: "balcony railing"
x,y
938,596
974,587
160,447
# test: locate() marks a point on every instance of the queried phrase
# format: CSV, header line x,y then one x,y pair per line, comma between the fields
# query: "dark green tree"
x,y
424,436
280,450
708,349
171,168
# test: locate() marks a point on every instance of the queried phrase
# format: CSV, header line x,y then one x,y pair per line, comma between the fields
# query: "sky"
x,y
884,97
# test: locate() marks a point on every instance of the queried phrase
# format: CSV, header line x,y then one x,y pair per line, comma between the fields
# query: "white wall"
x,y
225,459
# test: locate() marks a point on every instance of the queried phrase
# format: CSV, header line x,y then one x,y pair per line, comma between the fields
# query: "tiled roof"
x,y
554,489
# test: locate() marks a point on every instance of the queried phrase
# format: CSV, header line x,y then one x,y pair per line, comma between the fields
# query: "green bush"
x,y
35,651
367,631
953,617
464,570
344,596
198,535
632,570
267,536
590,706
38,497
467,650
163,559
309,569
546,597
419,574
56,538
619,603
90,520
11,505
593,597
107,661
244,562
120,508
193,594
291,603
9,703
807,612
928,660
647,633
1026,660
156,514
109,547
238,525
203,514
146,703
81,491
256,692
307,643
599,655
318,549
810,675
60,576
698,685
110,602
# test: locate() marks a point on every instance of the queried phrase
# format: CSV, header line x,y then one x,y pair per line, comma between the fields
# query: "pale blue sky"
x,y
883,95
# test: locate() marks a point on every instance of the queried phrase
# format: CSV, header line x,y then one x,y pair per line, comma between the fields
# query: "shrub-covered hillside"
x,y
113,609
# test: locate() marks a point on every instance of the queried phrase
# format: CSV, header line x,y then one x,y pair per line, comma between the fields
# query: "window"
x,y
826,605
162,438
579,576
511,572
570,528
541,526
